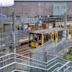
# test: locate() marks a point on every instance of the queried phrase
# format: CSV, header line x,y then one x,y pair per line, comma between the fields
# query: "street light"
x,y
13,32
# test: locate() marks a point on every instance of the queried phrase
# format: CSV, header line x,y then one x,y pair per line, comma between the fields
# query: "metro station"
x,y
35,35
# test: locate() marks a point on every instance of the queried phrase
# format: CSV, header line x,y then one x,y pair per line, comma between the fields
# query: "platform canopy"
x,y
6,3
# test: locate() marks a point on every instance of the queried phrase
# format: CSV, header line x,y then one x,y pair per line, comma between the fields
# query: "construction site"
x,y
36,36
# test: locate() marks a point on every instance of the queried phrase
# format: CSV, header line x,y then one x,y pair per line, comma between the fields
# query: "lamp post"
x,y
13,14
13,33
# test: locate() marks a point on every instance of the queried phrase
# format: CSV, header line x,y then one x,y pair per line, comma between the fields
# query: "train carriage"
x,y
39,37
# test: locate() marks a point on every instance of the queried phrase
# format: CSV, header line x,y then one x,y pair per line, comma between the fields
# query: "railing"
x,y
55,48
30,61
7,61
64,67
6,39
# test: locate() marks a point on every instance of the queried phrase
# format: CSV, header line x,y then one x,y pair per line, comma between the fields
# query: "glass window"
x,y
47,37
31,37
35,37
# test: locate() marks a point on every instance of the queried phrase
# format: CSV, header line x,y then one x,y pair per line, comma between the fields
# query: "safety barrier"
x,y
6,38
55,64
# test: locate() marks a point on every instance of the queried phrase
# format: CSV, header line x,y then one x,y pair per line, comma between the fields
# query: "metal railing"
x,y
55,64
6,39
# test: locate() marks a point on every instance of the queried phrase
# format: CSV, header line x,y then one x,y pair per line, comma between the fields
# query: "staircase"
x,y
57,65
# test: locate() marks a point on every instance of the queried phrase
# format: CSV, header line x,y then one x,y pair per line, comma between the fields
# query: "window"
x,y
31,36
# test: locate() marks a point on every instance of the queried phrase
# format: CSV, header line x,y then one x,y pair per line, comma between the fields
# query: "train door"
x,y
52,36
60,35
69,33
47,37
56,36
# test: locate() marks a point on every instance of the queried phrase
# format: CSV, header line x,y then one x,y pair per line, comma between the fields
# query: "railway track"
x,y
23,50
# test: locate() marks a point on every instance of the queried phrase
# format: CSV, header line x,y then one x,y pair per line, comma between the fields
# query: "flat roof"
x,y
43,0
45,31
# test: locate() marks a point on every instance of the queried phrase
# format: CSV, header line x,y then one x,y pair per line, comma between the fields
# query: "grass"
x,y
69,55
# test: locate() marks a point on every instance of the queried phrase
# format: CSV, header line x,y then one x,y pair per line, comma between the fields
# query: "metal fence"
x,y
56,64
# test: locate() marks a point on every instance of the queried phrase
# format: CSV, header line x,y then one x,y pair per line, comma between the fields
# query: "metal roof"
x,y
43,0
45,31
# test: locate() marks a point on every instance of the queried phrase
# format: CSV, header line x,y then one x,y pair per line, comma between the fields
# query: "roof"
x,y
45,0
45,31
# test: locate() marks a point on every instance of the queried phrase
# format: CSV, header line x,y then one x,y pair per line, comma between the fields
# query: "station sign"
x,y
59,9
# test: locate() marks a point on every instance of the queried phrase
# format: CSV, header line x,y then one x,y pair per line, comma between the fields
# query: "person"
x,y
35,39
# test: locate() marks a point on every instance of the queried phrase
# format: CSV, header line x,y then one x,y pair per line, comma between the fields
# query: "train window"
x,y
60,34
46,38
35,37
31,37
39,38
70,32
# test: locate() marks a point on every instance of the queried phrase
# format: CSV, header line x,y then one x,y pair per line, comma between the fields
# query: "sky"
x,y
6,2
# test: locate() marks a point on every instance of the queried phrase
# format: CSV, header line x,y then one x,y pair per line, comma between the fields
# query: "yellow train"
x,y
39,37
69,32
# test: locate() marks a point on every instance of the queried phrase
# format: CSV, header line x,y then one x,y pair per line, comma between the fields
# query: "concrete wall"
x,y
33,9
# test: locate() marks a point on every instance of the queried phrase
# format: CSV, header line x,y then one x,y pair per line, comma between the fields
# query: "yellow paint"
x,y
70,32
52,36
42,39
56,36
34,44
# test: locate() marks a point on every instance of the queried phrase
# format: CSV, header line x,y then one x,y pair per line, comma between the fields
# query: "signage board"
x,y
59,8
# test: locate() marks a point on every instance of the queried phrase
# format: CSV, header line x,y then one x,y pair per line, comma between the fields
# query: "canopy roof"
x,y
46,31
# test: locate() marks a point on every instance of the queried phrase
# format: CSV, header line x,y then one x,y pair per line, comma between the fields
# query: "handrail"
x,y
67,68
6,55
53,66
38,65
63,66
7,65
6,60
31,58
51,59
32,62
31,66
3,38
51,63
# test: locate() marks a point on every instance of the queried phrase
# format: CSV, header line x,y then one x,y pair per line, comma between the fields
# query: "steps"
x,y
56,65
